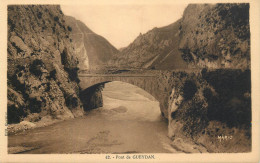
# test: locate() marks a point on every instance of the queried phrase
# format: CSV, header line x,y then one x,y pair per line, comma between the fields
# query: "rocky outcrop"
x,y
93,51
42,67
216,36
211,109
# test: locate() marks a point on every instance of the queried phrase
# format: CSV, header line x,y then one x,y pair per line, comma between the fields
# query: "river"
x,y
129,122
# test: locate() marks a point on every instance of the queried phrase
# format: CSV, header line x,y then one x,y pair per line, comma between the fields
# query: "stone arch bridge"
x,y
92,84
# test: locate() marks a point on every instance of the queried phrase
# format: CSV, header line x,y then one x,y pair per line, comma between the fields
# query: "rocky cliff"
x,y
209,109
93,51
216,36
42,65
208,35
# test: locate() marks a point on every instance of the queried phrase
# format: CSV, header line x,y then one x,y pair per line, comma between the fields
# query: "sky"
x,y
121,24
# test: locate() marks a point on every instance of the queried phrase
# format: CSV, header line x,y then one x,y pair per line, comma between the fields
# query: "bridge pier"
x,y
91,97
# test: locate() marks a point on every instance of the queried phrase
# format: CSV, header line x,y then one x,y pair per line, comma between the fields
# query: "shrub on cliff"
x,y
52,75
14,82
34,105
189,89
39,15
69,28
35,67
71,102
56,18
15,114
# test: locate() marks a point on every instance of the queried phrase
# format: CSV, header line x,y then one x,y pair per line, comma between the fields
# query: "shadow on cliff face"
x,y
214,110
232,104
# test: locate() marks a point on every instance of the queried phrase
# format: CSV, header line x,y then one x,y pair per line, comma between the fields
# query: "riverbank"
x,y
129,122
27,125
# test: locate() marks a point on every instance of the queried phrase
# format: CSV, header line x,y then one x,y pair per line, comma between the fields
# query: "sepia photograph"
x,y
128,81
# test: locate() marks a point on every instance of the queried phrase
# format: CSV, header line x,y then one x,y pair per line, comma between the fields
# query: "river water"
x,y
129,122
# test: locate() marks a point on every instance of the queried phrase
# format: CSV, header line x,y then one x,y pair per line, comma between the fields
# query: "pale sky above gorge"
x,y
121,24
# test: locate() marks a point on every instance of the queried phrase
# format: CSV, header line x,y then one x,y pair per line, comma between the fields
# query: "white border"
x,y
240,157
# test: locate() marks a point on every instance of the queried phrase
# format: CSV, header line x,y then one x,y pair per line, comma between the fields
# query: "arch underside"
x,y
147,84
92,87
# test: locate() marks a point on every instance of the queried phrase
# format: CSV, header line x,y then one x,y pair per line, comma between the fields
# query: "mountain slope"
x,y
93,50
156,49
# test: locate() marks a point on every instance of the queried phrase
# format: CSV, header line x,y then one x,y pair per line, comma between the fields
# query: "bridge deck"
x,y
116,75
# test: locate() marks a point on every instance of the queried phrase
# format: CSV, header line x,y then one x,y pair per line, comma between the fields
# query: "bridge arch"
x,y
91,87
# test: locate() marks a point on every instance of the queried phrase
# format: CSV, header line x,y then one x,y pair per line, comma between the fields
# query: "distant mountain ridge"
x,y
156,49
93,50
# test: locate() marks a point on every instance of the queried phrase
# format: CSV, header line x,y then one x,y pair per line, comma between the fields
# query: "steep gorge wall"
x,y
216,36
42,67
213,107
